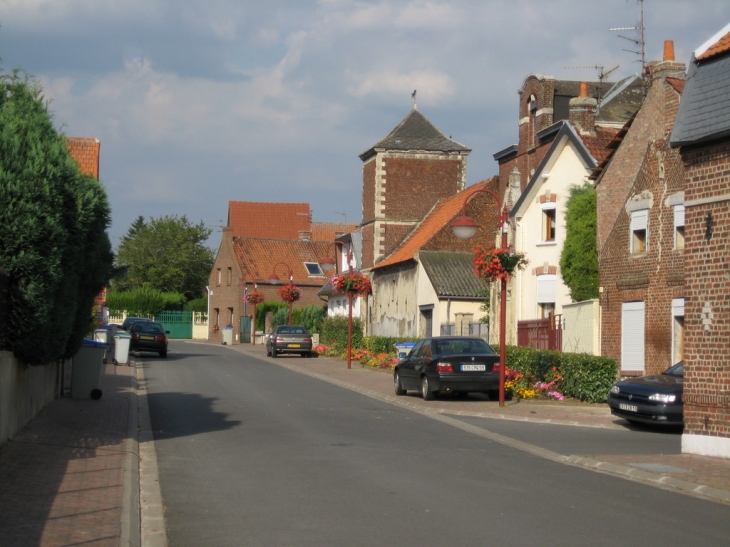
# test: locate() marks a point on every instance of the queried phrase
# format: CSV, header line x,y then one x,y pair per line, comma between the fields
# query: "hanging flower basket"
x,y
492,263
255,297
355,284
290,293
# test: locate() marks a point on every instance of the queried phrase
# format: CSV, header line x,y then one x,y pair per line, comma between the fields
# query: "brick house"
x,y
262,239
702,135
404,175
640,233
85,152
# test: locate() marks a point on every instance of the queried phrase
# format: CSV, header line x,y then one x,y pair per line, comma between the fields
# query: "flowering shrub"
x,y
290,293
255,297
525,386
354,283
492,263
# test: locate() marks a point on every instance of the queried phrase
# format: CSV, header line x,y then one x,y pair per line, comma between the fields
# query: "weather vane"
x,y
413,96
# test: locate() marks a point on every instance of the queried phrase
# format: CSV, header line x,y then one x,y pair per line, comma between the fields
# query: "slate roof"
x,y
268,220
85,152
415,132
258,258
452,274
704,112
439,216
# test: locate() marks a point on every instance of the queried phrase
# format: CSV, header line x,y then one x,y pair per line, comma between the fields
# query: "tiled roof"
x,y
415,132
677,84
442,213
611,148
452,274
704,111
259,258
85,152
721,45
268,220
598,145
329,231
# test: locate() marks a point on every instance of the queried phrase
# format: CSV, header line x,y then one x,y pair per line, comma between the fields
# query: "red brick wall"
x,y
368,191
368,243
707,308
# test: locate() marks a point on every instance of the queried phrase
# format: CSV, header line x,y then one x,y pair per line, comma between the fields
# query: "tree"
x,y
579,258
168,254
53,241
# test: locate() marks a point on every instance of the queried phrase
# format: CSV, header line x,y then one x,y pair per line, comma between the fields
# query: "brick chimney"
x,y
582,112
305,235
668,66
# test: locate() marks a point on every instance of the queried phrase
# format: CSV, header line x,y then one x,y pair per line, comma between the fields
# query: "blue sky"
x,y
198,102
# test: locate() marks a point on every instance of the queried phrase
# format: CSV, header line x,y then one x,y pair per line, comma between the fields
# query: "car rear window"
x,y
462,347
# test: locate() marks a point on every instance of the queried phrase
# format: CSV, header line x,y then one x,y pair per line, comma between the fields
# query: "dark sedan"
x,y
653,399
148,336
448,364
289,339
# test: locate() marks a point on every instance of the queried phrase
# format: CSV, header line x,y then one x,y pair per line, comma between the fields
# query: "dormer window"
x,y
314,269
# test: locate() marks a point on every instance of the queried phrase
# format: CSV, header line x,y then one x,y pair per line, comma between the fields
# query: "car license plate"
x,y
469,368
630,408
294,345
146,337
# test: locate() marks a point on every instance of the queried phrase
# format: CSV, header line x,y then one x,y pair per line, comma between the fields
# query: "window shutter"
x,y
632,336
546,289
639,220
677,307
678,215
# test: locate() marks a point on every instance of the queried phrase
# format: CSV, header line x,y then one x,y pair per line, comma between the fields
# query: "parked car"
x,y
448,364
148,336
653,399
289,339
128,321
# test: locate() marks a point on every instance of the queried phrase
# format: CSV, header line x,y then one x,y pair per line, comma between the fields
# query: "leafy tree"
x,y
579,259
168,254
53,220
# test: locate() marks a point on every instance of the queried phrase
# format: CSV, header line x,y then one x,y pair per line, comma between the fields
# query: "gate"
x,y
179,323
245,329
541,333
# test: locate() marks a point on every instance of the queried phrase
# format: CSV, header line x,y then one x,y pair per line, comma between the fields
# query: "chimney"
x,y
305,235
582,111
668,66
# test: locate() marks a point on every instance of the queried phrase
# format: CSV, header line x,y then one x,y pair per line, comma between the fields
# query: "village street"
x,y
252,453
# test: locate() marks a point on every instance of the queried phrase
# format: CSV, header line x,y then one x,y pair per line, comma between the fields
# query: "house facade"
x,y
640,234
702,136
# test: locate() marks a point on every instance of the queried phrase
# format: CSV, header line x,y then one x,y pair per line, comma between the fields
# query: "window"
x,y
313,268
639,234
677,330
219,277
632,336
548,221
679,227
546,295
229,275
533,120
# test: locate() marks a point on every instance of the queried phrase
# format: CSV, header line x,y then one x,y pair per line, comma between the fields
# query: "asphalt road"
x,y
250,453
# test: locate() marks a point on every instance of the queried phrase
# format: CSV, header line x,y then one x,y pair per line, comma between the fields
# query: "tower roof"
x,y
415,132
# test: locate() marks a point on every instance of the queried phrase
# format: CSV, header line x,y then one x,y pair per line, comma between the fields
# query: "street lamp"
x,y
328,264
274,280
465,227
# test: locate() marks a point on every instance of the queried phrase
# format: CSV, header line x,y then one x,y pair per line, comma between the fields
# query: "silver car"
x,y
289,339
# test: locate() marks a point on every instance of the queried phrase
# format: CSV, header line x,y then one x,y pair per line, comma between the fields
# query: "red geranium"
x,y
353,283
255,297
491,263
290,293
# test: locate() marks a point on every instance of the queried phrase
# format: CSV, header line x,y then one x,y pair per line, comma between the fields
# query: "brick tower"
x,y
404,175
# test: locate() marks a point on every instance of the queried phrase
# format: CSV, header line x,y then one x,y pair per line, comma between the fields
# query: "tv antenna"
x,y
602,75
638,42
344,216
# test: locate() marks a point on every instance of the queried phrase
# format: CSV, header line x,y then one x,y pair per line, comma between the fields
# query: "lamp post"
x,y
465,227
328,264
274,280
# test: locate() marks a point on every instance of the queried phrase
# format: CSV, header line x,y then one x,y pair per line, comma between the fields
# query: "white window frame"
x,y
679,227
639,222
547,208
546,288
677,329
633,324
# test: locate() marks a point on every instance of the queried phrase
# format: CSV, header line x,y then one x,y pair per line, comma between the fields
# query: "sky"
x,y
200,102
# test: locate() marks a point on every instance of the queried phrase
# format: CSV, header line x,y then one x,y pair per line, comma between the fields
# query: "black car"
x,y
289,339
653,399
448,364
148,336
129,321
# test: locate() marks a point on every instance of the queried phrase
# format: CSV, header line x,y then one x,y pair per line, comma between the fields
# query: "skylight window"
x,y
313,269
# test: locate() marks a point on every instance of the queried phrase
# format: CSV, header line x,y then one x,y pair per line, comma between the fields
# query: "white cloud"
x,y
435,86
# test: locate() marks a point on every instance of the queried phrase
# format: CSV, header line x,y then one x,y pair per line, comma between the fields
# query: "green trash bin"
x,y
86,368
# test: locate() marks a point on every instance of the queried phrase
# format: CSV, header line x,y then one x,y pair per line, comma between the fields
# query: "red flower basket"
x,y
290,293
255,297
491,263
355,283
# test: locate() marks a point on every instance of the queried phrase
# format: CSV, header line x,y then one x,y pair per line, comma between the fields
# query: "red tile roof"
x,y
85,152
721,46
259,258
677,84
329,231
268,220
439,216
598,146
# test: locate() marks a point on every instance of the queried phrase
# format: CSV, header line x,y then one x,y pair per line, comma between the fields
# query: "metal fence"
x,y
541,333
474,329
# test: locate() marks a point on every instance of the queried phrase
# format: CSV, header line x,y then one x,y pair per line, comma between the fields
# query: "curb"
x,y
130,522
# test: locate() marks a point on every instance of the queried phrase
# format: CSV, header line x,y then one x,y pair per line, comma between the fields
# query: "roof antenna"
x,y
413,96
602,75
638,41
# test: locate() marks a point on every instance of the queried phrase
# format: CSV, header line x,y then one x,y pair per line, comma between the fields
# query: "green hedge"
x,y
333,333
144,301
383,344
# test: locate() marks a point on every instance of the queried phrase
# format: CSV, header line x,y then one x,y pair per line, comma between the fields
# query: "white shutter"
x,y
677,307
639,220
546,289
678,216
632,336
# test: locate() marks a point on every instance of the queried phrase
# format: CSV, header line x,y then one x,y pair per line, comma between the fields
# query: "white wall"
x,y
394,305
582,331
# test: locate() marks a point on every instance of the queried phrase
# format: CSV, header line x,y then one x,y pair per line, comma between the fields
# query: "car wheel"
x,y
493,394
268,352
304,354
397,384
163,354
426,392
273,353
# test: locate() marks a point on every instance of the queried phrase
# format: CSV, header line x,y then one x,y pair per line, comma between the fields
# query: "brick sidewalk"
x,y
62,477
